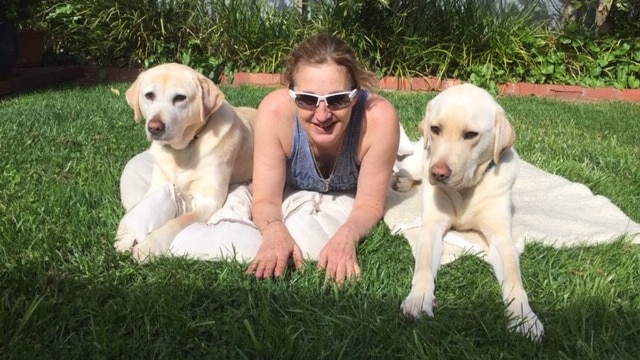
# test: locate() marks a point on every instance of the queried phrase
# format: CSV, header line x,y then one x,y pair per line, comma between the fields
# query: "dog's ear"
x,y
422,127
505,136
212,97
132,98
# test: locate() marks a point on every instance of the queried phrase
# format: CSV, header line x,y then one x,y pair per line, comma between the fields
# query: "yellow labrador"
x,y
199,142
469,168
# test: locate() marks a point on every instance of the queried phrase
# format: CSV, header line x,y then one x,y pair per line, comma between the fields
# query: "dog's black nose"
x,y
155,127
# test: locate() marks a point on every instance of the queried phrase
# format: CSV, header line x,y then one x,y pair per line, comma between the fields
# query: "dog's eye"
x,y
179,98
435,130
150,96
470,135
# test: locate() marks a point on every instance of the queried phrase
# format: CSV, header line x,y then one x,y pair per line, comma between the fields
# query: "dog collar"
x,y
491,164
197,134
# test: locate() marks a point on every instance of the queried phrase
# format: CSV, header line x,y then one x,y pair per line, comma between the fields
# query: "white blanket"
x,y
547,208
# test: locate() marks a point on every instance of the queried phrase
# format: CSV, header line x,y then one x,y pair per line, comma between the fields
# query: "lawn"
x,y
66,293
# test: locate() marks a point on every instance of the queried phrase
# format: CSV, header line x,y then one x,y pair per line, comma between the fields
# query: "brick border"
x,y
565,92
95,74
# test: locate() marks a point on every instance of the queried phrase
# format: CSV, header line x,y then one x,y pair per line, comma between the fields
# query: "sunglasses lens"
x,y
339,101
306,101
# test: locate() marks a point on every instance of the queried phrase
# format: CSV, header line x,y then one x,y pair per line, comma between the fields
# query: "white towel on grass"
x,y
312,218
547,208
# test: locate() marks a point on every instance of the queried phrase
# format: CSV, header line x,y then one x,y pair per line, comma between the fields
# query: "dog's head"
x,y
465,132
175,102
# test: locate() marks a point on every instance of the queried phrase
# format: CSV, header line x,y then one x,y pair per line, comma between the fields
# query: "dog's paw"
x,y
418,304
125,240
141,252
153,245
529,326
402,184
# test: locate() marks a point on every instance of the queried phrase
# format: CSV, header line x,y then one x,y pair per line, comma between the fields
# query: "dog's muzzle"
x,y
155,127
440,172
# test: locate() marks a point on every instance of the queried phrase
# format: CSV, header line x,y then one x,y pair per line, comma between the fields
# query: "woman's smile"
x,y
326,125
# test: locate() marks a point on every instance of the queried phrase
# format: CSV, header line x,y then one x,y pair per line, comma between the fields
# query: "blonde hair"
x,y
324,48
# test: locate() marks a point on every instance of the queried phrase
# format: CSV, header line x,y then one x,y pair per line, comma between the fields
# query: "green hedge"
x,y
473,40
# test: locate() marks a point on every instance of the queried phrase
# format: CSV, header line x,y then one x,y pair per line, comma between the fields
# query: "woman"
x,y
324,151
329,136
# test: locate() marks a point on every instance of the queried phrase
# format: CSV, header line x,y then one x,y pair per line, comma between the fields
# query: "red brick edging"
x,y
567,92
92,74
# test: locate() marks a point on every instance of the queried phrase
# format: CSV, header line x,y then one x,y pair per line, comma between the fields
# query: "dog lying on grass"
x,y
468,169
199,143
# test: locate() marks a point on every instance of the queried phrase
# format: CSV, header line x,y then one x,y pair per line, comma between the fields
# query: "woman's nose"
x,y
322,111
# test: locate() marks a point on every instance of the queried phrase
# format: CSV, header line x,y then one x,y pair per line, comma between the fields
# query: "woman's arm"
x,y
273,132
269,161
378,151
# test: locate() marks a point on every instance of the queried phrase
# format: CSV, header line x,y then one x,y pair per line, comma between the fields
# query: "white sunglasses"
x,y
335,101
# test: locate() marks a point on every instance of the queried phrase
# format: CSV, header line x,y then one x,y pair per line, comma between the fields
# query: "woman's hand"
x,y
339,257
274,253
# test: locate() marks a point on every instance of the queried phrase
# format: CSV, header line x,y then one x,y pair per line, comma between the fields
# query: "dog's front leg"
x,y
407,170
158,206
504,259
428,254
159,241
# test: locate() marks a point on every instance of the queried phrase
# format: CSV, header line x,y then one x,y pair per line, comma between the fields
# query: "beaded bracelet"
x,y
269,222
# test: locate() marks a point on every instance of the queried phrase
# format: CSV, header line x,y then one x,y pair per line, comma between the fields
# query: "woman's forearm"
x,y
265,213
361,220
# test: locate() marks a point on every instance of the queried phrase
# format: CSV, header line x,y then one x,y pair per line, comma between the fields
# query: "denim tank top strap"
x,y
302,173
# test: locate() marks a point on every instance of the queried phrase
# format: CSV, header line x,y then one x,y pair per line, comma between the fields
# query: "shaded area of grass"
x,y
66,293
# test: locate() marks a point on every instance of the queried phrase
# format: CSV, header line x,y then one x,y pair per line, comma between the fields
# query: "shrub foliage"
x,y
474,40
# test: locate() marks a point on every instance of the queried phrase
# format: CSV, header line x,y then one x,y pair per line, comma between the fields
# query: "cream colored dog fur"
x,y
468,171
199,142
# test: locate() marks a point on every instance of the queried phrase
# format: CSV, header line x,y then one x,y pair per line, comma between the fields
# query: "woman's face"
x,y
323,126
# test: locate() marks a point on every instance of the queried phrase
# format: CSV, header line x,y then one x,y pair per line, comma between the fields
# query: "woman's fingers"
x,y
270,265
340,271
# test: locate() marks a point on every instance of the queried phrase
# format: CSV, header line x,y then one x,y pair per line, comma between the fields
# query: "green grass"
x,y
66,293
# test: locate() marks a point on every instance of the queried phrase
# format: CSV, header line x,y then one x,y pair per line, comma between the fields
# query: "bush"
x,y
474,40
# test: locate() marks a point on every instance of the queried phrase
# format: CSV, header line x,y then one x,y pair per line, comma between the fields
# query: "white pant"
x,y
311,217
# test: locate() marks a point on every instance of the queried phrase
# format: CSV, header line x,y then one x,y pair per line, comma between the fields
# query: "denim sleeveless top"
x,y
302,173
